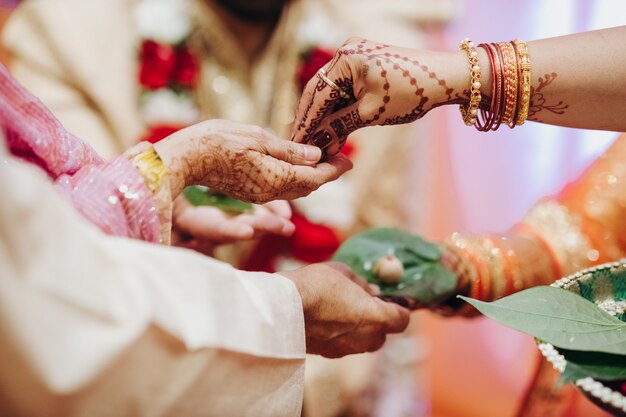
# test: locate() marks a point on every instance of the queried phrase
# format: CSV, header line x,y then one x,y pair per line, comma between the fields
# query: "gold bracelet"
x,y
524,65
151,168
510,82
470,110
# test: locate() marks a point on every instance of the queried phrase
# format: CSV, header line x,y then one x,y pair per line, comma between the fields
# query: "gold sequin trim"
x,y
562,231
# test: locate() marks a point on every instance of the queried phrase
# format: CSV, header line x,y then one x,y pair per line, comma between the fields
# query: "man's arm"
x,y
80,312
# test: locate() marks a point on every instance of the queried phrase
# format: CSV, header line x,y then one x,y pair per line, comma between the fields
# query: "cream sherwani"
x,y
92,325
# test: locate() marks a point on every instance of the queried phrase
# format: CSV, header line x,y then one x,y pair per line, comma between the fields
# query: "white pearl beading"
x,y
589,385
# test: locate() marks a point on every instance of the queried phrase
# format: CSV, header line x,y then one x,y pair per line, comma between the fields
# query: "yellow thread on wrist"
x,y
151,168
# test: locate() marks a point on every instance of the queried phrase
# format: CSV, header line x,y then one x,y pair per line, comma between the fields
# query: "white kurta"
x,y
92,325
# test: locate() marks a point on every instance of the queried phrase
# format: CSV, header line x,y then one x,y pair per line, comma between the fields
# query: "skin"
x,y
202,228
245,162
574,83
341,316
254,10
250,22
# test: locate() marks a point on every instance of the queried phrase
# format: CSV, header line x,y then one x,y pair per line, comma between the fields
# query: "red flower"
x,y
156,64
312,242
186,69
348,148
313,60
159,132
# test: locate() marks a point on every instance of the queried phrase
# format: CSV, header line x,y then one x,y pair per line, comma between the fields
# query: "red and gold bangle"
x,y
492,118
510,86
469,111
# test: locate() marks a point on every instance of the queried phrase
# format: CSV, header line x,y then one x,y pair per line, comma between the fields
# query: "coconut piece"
x,y
389,269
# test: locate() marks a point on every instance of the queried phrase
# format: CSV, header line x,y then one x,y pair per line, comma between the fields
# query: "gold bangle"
x,y
524,65
470,111
510,82
151,168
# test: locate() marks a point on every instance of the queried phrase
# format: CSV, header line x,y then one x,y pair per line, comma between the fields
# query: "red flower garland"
x,y
162,65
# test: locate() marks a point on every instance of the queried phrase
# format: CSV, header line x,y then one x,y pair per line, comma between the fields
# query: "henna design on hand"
x,y
383,58
538,100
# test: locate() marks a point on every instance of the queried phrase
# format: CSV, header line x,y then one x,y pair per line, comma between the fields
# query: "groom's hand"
x,y
341,315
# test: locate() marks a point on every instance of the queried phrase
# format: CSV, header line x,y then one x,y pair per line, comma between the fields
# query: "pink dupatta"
x,y
111,195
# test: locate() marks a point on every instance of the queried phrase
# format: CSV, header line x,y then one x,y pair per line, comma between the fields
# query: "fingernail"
x,y
321,139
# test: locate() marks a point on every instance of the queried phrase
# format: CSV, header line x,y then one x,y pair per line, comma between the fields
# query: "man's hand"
x,y
245,162
202,228
341,315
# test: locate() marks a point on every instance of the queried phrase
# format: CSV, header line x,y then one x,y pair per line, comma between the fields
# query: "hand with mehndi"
x,y
245,162
573,82
368,84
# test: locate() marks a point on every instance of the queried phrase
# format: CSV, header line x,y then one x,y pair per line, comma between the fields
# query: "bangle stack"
x,y
510,85
486,267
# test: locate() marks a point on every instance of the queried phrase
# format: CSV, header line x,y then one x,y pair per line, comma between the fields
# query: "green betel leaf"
x,y
428,283
202,196
424,279
600,366
559,317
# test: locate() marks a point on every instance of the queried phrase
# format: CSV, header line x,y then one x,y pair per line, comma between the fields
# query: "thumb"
x,y
333,131
293,153
396,317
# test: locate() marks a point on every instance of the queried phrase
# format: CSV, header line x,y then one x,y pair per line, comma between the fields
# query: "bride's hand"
x,y
374,84
245,162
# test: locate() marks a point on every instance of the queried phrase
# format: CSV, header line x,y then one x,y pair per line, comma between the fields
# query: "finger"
x,y
321,99
327,171
375,343
332,132
279,207
293,153
268,223
310,107
374,290
210,223
396,317
348,272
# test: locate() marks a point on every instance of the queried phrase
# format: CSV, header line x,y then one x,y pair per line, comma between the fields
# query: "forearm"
x,y
60,276
576,80
491,267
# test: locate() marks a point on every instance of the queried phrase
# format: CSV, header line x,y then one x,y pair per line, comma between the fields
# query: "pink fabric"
x,y
111,195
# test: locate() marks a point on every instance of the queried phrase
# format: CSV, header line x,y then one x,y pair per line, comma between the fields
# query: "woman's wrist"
x,y
452,70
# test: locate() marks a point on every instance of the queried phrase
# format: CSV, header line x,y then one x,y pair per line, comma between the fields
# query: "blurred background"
x,y
463,180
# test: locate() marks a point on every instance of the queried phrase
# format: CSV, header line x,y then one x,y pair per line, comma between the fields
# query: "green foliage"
x,y
559,317
202,196
424,280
